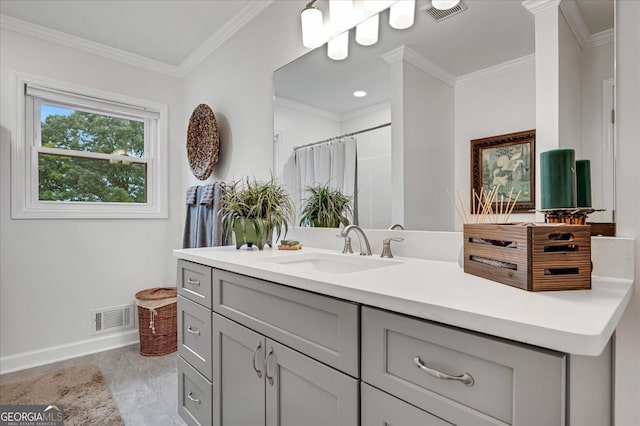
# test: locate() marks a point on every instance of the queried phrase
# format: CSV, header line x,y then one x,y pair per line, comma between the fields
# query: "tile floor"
x,y
145,389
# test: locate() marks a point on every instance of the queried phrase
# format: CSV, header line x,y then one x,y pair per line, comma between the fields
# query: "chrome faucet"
x,y
361,236
396,226
386,246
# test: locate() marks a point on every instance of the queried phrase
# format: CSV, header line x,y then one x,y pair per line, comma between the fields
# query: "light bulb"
x,y
401,14
340,14
444,4
367,31
338,47
312,27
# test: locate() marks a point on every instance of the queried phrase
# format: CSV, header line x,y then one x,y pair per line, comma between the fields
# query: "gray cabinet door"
x,y
304,392
322,327
238,375
382,409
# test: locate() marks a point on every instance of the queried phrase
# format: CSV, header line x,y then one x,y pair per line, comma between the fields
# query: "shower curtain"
x,y
333,163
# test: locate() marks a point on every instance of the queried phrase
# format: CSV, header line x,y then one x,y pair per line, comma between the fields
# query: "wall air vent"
x,y
440,15
111,319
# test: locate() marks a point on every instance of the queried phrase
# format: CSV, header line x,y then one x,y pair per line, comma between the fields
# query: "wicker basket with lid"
x,y
157,320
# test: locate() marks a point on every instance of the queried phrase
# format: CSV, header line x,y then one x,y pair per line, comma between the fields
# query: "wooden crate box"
x,y
533,257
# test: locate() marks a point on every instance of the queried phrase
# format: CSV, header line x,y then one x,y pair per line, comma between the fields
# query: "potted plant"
x,y
253,210
326,207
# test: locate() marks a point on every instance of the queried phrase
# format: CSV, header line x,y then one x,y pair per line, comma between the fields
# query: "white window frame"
x,y
25,203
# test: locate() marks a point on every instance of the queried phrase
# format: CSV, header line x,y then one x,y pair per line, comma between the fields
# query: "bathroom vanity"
x,y
321,338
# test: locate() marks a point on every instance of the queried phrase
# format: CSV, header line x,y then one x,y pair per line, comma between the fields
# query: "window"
x,y
82,153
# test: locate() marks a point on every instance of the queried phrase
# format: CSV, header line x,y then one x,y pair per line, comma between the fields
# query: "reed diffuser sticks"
x,y
485,206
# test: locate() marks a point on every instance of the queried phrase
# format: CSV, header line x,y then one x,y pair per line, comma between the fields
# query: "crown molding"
x,y
602,37
575,20
385,105
250,11
304,108
537,6
497,69
47,34
404,53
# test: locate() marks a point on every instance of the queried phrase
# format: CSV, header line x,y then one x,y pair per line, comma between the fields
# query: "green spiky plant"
x,y
254,210
326,207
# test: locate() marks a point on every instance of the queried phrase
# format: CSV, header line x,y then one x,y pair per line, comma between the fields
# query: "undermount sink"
x,y
333,263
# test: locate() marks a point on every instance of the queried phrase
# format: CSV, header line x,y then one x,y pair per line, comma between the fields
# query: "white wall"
x,y
570,78
236,82
501,102
627,368
374,164
597,66
427,119
299,126
53,273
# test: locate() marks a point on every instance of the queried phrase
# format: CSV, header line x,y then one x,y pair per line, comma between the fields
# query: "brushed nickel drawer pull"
x,y
266,367
193,282
253,364
193,330
466,378
192,398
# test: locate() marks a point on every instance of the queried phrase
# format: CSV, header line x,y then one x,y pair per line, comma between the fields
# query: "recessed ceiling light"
x,y
359,93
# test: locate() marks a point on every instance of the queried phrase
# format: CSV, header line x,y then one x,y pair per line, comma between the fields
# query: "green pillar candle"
x,y
558,179
583,179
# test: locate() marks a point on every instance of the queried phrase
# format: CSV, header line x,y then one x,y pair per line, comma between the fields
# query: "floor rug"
x,y
81,390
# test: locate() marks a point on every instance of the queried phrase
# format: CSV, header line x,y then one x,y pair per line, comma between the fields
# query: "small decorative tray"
x,y
283,247
289,245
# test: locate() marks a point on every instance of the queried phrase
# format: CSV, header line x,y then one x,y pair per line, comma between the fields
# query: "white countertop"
x,y
578,322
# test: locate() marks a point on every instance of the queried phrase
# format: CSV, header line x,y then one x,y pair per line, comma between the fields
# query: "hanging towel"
x,y
203,227
192,195
208,193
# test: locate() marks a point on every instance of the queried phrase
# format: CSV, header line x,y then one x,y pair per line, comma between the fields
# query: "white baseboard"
x,y
24,360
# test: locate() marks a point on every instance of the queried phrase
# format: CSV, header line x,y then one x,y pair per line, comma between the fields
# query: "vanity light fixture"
x,y
312,26
344,15
367,31
359,93
338,47
401,14
444,4
340,14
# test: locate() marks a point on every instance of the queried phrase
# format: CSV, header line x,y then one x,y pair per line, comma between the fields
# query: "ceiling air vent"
x,y
440,15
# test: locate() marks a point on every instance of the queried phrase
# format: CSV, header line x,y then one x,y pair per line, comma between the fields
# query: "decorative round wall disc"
x,y
203,142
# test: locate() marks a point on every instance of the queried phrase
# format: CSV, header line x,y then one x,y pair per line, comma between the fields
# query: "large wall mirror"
x,y
430,90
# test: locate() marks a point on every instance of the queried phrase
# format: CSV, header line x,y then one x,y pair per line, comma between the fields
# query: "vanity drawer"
x,y
512,383
319,326
194,282
381,409
194,335
194,395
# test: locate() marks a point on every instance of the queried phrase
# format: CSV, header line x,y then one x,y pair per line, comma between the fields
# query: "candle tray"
x,y
532,257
